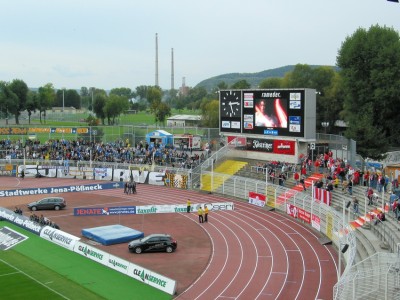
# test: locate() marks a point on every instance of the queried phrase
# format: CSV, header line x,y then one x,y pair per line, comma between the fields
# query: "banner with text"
x,y
61,189
19,220
271,146
257,199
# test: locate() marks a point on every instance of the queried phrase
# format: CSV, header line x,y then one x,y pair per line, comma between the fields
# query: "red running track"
x,y
256,254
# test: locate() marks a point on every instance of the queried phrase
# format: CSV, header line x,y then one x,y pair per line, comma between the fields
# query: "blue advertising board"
x,y
61,189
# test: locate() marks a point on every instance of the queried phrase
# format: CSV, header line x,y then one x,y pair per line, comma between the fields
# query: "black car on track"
x,y
153,243
55,203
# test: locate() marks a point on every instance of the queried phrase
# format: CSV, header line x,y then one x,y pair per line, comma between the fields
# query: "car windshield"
x,y
145,239
150,238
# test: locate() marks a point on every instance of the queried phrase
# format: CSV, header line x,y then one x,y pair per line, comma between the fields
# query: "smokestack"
x,y
172,68
156,83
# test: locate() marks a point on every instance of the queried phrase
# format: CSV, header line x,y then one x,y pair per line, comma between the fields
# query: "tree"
x,y
154,95
162,111
46,98
194,97
115,105
86,98
370,70
300,77
141,91
210,113
98,106
241,84
20,89
84,92
271,83
122,91
71,99
8,99
32,104
329,104
222,85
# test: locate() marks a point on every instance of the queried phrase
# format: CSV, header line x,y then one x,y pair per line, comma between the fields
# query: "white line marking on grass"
x,y
27,275
9,274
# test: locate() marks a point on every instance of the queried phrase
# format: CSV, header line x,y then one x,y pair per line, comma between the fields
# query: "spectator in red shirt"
x,y
296,177
370,193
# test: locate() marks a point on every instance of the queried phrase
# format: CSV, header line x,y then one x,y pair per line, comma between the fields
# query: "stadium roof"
x,y
185,117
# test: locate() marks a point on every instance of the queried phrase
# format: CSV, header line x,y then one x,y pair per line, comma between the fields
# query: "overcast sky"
x,y
111,43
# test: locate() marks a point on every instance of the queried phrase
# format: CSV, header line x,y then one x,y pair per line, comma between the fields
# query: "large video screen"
x,y
270,113
280,112
274,112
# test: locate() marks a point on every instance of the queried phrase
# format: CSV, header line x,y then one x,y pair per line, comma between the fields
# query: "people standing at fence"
x,y
350,186
395,207
126,188
281,179
188,206
392,197
336,180
296,177
355,206
200,213
205,213
303,183
370,194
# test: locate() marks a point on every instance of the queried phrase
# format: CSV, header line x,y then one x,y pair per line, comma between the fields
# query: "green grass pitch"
x,y
38,269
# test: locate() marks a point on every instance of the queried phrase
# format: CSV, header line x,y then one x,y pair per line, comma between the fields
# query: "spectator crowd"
x,y
118,151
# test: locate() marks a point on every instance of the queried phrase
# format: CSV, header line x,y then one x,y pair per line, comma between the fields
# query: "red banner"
x,y
322,195
257,199
241,141
304,215
284,147
291,210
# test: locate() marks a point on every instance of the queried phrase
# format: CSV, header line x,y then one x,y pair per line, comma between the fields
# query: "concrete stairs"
x,y
371,238
228,167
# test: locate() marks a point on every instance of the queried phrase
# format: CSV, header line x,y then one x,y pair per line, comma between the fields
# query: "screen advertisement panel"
x,y
271,146
274,112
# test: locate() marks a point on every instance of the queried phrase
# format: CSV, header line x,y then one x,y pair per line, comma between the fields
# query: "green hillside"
x,y
253,78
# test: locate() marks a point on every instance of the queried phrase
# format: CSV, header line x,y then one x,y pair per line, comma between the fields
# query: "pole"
x,y
212,175
24,149
340,250
63,104
365,208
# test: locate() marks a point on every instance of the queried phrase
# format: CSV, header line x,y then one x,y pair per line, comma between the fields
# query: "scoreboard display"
x,y
269,112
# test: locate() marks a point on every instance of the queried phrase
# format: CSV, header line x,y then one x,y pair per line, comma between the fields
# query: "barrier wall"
x,y
74,244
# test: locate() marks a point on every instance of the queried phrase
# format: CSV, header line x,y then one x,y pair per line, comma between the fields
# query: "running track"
x,y
256,254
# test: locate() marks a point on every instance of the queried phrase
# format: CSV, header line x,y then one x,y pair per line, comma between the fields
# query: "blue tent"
x,y
160,137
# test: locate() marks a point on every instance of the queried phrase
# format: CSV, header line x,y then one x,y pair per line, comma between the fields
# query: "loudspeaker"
x,y
348,204
344,249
